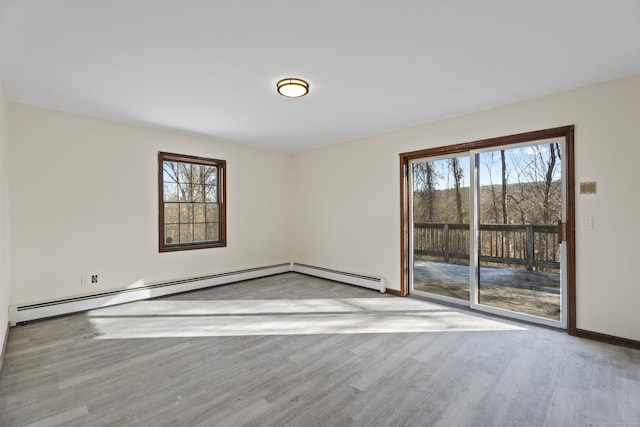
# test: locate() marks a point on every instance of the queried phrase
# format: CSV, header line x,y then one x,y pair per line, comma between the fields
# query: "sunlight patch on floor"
x,y
176,318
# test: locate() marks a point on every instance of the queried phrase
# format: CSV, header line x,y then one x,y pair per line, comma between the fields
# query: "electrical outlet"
x,y
89,279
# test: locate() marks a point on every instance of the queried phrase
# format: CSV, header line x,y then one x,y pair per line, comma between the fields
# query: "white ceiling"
x,y
210,67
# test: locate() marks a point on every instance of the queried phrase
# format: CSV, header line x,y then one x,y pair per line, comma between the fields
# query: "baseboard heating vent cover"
x,y
371,282
25,313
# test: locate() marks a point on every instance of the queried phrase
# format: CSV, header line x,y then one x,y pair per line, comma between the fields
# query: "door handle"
x,y
562,231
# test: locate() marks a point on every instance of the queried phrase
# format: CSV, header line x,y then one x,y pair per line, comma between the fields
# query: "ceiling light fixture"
x,y
292,87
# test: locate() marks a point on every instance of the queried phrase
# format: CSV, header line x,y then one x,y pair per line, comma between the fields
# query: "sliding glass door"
x,y
440,212
485,229
518,202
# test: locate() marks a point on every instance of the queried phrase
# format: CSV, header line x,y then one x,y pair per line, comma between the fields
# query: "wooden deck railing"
x,y
533,246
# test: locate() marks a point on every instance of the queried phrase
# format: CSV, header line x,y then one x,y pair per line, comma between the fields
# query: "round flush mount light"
x,y
292,87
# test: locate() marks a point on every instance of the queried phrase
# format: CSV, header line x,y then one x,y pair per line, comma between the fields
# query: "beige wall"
x,y
4,216
84,201
347,196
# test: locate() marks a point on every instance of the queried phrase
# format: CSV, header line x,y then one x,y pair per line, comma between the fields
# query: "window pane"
x,y
171,213
184,172
171,233
211,194
199,232
186,233
197,174
184,192
198,213
213,231
198,195
441,226
170,171
211,175
212,213
186,212
518,243
170,192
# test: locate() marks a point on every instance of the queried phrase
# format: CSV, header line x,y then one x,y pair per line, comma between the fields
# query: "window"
x,y
191,202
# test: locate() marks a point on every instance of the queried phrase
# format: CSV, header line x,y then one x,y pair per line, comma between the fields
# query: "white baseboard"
x,y
24,313
371,282
28,312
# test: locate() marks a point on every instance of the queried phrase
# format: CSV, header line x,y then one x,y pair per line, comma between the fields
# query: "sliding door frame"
x,y
565,132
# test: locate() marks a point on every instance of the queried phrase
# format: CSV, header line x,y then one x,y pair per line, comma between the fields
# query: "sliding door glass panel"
x,y
440,220
519,204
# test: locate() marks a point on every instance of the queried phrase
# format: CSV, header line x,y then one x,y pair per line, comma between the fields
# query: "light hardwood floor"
x,y
292,350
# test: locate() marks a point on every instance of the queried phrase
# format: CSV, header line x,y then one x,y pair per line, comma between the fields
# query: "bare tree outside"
x,y
458,174
505,215
488,162
538,199
424,175
439,195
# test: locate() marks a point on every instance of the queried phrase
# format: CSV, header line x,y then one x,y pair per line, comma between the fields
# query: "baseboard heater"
x,y
371,282
24,313
28,312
